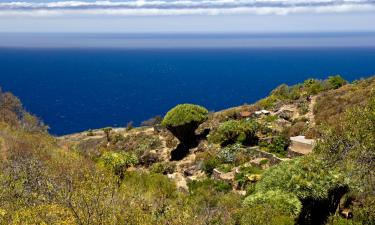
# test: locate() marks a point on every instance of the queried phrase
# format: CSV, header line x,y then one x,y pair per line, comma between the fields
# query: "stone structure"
x,y
300,146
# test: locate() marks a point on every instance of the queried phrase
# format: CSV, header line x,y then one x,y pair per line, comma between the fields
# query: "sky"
x,y
187,16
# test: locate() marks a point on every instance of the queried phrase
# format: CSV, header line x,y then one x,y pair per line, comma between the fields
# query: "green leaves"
x,y
306,177
118,161
277,200
185,113
235,131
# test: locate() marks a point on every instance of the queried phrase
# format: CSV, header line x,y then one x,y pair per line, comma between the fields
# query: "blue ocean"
x,y
75,89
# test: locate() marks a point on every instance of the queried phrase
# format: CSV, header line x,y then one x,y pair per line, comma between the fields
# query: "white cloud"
x,y
183,7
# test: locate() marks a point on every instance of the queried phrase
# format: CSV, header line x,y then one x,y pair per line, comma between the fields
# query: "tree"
x,y
182,121
107,132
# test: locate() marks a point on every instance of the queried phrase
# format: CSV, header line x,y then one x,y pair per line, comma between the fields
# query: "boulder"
x,y
285,114
227,177
262,163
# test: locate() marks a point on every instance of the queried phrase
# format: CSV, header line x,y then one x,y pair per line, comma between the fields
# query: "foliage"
x,y
349,146
352,143
285,93
242,178
44,214
107,131
278,145
306,177
184,114
208,184
13,113
118,161
336,81
228,153
163,167
210,164
182,121
235,131
264,214
331,105
137,143
280,201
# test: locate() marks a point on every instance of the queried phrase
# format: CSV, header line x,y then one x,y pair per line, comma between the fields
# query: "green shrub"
x,y
225,168
281,92
242,177
338,220
306,177
228,153
117,161
163,167
235,131
208,184
336,81
267,103
280,201
278,145
264,214
210,164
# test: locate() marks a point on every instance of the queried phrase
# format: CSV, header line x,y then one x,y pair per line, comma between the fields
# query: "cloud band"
x,y
184,7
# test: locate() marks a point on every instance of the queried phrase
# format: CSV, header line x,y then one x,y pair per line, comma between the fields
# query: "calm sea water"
x,y
77,89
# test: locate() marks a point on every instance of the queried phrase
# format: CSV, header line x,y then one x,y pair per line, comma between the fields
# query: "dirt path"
x,y
310,114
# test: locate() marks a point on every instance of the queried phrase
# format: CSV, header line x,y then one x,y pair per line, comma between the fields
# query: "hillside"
x,y
252,164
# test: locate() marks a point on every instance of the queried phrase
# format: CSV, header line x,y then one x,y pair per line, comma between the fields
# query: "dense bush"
x,y
317,186
305,177
336,81
278,200
264,214
235,131
118,161
277,145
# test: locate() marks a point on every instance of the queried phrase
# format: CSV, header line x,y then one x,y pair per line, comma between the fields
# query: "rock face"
x,y
300,146
227,177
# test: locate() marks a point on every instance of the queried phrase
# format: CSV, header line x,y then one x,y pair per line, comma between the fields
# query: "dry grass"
x,y
332,104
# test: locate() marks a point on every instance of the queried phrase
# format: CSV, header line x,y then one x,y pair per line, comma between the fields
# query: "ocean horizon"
x,y
73,90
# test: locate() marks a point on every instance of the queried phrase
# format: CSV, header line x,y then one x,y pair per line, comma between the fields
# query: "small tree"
x,y
107,132
183,120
